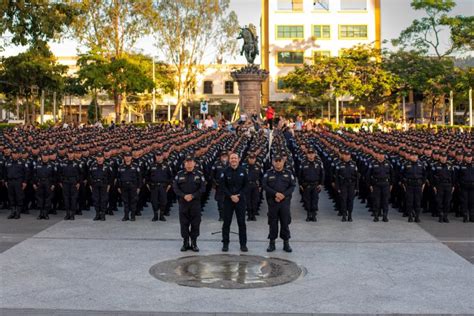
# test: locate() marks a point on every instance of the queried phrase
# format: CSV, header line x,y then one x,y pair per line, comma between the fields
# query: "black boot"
x,y
385,218
17,213
344,219
12,214
313,217
445,218
125,218
225,247
185,246
376,218
410,219
97,216
162,217
417,219
244,248
349,218
194,246
309,218
286,246
102,216
155,217
132,217
40,215
440,220
271,246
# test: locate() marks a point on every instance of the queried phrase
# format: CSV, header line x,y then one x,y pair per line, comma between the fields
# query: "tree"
x,y
188,30
29,22
24,76
424,34
111,28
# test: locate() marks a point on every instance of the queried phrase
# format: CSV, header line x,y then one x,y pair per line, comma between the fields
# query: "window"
x,y
229,87
207,87
290,32
321,5
321,53
293,58
352,31
353,5
322,31
290,5
281,86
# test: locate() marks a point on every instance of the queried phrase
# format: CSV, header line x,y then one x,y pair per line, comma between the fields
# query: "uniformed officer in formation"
x,y
16,174
311,178
216,172
100,180
442,181
380,177
413,179
346,181
254,186
465,180
279,184
44,179
233,184
189,185
159,180
129,182
70,174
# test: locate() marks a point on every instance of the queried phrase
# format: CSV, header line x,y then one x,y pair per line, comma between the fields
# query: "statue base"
x,y
249,79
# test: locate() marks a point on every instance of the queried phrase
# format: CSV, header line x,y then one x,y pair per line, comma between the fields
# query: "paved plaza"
x,y
83,267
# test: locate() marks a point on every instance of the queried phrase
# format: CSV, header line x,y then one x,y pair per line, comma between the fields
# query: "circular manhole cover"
x,y
227,271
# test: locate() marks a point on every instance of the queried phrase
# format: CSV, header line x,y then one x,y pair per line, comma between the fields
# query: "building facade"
x,y
294,31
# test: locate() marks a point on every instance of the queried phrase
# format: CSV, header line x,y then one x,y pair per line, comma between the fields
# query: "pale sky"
x,y
396,15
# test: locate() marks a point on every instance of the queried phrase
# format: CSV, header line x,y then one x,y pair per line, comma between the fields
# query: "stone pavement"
x,y
102,268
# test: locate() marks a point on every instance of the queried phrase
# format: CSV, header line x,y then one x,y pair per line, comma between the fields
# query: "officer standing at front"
x,y
100,179
44,176
252,196
279,184
413,179
129,182
442,180
189,185
70,179
233,183
465,178
380,178
347,184
16,177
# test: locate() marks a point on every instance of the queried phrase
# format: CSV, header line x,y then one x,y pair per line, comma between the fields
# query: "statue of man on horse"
x,y
250,47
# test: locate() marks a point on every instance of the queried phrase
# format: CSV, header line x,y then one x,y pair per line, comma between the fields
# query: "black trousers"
x,y
346,198
380,197
44,196
159,198
16,196
113,197
443,198
252,197
130,198
279,213
100,197
190,218
70,194
311,198
467,202
219,197
229,209
413,195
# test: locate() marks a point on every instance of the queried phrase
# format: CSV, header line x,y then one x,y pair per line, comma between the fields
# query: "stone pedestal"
x,y
249,79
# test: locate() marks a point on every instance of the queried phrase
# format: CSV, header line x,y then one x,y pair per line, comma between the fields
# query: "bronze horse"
x,y
250,47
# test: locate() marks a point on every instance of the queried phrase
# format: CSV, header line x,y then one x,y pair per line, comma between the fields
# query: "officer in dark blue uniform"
x,y
465,180
159,179
413,179
442,181
189,185
129,182
254,187
100,178
380,175
311,176
44,179
346,179
216,171
279,184
16,176
233,183
70,179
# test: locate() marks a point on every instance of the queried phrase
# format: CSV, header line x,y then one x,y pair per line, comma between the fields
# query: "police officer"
x,y
346,178
252,195
129,182
216,171
279,184
189,185
413,179
380,176
70,179
465,178
233,183
44,179
15,176
442,180
311,175
159,179
100,178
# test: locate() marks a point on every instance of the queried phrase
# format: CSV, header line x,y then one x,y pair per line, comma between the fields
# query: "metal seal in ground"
x,y
224,271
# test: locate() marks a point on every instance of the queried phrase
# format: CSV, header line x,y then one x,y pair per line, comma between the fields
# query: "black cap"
x,y
468,154
252,155
189,158
224,153
345,152
443,154
311,151
99,154
158,153
127,154
277,157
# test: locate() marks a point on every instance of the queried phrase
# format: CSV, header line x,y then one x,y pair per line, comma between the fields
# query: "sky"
x,y
396,16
